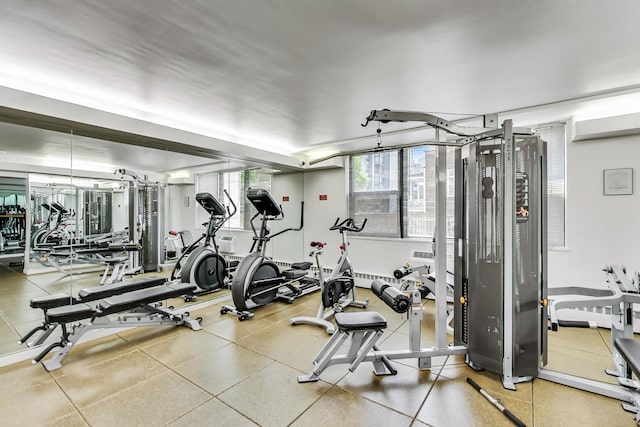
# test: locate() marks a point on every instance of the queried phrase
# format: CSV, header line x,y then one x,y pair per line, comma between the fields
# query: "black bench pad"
x,y
49,301
135,299
98,292
629,349
95,293
294,274
117,304
70,313
361,320
115,260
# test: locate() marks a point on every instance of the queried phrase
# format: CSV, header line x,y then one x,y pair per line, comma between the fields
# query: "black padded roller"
x,y
397,300
402,272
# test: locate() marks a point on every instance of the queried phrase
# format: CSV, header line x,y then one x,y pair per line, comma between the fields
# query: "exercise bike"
x,y
258,281
204,266
336,288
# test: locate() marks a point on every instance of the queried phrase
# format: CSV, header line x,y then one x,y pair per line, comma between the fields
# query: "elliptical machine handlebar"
x,y
235,208
291,228
348,225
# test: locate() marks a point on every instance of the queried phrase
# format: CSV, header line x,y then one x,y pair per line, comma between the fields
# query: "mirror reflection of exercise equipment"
x,y
12,216
257,280
204,266
146,221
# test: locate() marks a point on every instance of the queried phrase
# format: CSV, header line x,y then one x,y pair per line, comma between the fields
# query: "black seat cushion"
x,y
70,313
361,320
294,274
136,299
301,265
49,301
115,260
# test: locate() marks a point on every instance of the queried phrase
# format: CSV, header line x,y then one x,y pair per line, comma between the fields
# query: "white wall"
x,y
120,211
178,216
286,247
600,229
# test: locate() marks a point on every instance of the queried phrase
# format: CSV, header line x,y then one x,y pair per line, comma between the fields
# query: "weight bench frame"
x,y
137,308
363,340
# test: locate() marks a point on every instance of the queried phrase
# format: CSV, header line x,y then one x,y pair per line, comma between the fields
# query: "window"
x,y
421,210
375,192
555,136
235,183
395,191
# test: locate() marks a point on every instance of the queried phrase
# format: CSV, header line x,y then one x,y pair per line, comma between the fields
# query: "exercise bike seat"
x,y
301,265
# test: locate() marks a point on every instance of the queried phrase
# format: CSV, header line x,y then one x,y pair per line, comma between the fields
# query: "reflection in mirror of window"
x,y
236,184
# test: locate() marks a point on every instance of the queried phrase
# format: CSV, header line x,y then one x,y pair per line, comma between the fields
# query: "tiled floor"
x,y
235,373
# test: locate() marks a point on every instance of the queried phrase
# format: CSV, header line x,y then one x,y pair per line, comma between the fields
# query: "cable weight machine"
x,y
500,288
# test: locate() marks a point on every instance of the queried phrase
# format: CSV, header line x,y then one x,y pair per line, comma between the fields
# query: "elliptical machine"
x,y
204,266
258,280
336,288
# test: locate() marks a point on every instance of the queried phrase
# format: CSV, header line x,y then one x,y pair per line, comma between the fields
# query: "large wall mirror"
x,y
75,205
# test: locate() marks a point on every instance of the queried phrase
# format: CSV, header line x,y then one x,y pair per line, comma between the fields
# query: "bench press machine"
x,y
621,294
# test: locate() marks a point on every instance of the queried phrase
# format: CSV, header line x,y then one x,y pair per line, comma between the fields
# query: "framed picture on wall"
x,y
618,182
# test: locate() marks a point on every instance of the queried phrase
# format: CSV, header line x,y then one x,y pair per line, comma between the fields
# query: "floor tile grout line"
x,y
78,409
314,402
173,369
415,417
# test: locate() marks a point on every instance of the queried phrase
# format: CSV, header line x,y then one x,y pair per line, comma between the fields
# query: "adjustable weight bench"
x,y
85,295
137,308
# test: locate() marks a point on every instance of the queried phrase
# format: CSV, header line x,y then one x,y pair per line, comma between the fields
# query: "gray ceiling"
x,y
289,76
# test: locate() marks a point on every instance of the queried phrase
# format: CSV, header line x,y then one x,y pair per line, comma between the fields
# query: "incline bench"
x,y
136,308
85,295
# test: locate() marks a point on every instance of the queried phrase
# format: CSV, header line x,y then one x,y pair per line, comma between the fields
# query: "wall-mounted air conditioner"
x,y
607,127
227,244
